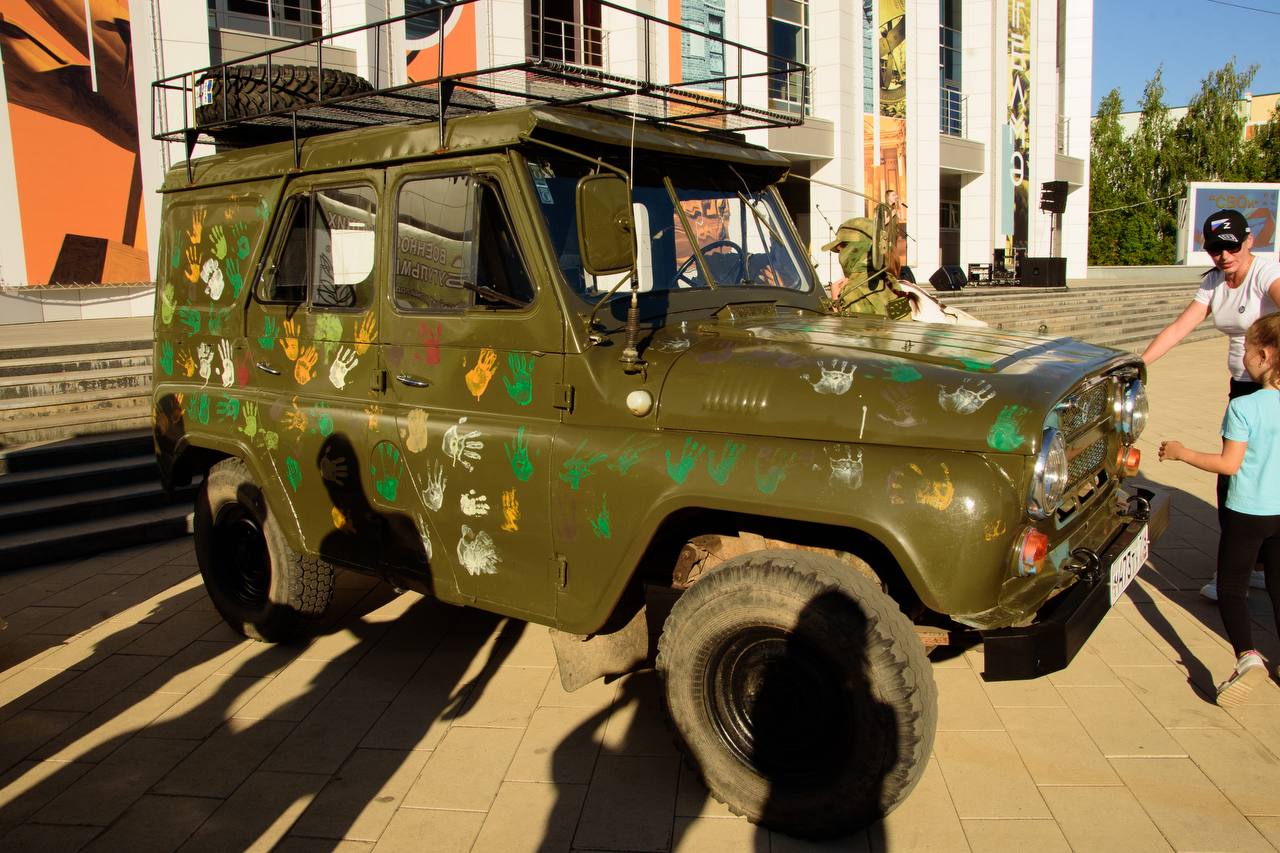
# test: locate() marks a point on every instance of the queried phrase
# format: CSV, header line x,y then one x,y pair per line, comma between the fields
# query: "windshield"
x,y
741,232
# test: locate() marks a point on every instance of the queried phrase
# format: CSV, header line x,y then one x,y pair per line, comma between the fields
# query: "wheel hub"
x,y
242,564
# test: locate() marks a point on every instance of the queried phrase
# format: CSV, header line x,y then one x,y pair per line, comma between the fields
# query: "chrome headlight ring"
x,y
1049,481
1133,412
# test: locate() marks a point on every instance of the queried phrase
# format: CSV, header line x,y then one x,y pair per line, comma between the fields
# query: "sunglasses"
x,y
1231,250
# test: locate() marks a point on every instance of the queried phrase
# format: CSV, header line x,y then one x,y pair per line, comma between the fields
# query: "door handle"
x,y
412,382
266,368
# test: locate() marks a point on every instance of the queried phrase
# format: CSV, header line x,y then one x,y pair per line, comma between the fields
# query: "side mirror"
x,y
606,232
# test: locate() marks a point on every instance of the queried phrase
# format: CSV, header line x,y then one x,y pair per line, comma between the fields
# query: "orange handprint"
x,y
193,264
197,224
302,368
478,377
290,340
510,511
295,418
187,363
365,333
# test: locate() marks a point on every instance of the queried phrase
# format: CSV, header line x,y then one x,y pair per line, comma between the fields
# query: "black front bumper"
x,y
1064,625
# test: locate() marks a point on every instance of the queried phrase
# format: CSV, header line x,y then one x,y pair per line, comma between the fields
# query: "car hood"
x,y
871,381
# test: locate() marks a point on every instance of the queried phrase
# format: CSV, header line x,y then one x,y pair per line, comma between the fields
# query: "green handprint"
x,y
270,331
200,408
216,319
293,471
679,471
600,524
270,440
250,412
520,385
166,358
167,303
771,469
233,276
518,456
902,373
264,210
219,239
175,257
629,454
577,467
721,470
1004,434
229,408
322,419
329,331
242,246
387,469
972,364
190,318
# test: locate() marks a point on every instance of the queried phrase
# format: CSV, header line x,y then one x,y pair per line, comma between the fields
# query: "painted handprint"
x,y
967,398
720,469
415,433
264,209
216,319
477,553
430,343
190,318
520,383
342,365
481,373
192,272
463,447
327,333
366,332
771,469
197,225
387,470
518,456
168,304
322,419
845,468
903,414
204,353
228,408
218,240
187,364
333,468
233,275
433,494
290,341
600,522
836,377
303,368
899,372
473,504
270,331
211,275
295,419
578,466
678,469
293,471
510,511
228,370
630,452
914,483
373,416
200,408
250,414
166,358
1005,433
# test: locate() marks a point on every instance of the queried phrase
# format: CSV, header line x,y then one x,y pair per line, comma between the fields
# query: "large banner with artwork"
x,y
885,135
454,27
1260,204
69,82
1019,164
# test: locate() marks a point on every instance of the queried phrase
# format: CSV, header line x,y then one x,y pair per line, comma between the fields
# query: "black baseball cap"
x,y
1226,229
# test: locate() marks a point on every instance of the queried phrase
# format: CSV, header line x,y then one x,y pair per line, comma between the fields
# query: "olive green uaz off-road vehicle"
x,y
539,360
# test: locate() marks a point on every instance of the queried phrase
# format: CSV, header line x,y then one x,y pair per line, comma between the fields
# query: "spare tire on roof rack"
x,y
239,92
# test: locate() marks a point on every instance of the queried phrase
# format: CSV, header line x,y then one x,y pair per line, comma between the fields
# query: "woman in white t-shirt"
x,y
1237,291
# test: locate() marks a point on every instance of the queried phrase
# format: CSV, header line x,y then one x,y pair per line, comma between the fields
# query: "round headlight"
x,y
1050,478
1133,412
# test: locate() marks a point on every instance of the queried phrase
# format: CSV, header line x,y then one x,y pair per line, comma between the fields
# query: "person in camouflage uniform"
x,y
868,287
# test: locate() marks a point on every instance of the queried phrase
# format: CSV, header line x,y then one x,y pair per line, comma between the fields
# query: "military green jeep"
x,y
568,365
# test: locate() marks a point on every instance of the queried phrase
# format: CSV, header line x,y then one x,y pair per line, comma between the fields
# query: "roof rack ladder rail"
x,y
440,96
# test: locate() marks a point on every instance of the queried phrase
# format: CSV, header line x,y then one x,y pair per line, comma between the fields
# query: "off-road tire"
x,y
807,703
260,585
250,91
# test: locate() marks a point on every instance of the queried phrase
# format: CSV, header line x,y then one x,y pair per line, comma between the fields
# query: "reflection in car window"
x,y
328,250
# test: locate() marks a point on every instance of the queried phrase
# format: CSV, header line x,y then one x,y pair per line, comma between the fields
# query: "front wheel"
x,y
262,587
800,690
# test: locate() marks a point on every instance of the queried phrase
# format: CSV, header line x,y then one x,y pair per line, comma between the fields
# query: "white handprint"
x,y
845,469
211,275
462,447
970,396
228,367
836,377
477,553
204,353
433,494
473,504
342,364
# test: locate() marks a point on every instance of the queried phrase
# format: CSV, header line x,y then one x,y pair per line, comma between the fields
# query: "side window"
x,y
327,252
454,248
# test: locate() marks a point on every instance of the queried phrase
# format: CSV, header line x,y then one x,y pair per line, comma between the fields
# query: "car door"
x,y
474,354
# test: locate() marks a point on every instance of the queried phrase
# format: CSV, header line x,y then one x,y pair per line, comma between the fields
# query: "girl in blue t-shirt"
x,y
1250,531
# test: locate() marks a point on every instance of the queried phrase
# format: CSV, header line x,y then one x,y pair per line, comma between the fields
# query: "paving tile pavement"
x,y
131,718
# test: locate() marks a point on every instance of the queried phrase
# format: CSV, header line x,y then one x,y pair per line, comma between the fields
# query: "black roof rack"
x,y
546,76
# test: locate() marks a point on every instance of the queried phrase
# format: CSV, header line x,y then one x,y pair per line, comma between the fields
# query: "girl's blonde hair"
x,y
1265,332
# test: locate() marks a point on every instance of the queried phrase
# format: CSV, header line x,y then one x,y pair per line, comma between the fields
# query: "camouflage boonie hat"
x,y
860,228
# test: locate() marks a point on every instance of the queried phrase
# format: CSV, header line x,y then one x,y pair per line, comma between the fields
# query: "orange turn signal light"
x,y
1032,551
1128,461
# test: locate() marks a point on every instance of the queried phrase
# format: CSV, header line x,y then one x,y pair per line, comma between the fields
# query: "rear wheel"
x,y
807,703
261,586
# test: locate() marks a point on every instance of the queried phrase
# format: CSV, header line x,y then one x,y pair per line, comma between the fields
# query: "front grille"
x,y
1085,409
1086,462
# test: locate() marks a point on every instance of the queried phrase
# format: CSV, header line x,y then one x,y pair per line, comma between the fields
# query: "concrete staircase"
x,y
69,498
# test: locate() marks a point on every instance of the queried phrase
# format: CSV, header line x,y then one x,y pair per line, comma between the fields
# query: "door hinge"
x,y
564,397
561,566
378,382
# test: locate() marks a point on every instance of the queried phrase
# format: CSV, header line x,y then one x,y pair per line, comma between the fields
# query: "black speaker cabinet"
x,y
1044,272
948,277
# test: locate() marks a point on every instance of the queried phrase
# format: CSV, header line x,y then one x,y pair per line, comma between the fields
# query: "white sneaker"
x,y
1257,580
1251,670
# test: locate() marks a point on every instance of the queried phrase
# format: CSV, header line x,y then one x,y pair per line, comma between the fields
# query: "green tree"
x,y
1207,143
1108,176
1149,230
1262,152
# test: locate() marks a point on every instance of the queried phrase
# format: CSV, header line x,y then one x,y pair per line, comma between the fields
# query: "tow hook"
x,y
1084,563
1139,506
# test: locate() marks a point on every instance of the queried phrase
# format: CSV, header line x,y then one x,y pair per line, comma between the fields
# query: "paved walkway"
x,y
131,718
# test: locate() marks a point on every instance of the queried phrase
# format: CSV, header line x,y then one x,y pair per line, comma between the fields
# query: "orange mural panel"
x,y
459,43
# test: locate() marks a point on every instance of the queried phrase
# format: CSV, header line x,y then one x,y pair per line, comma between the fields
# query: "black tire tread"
x,y
251,91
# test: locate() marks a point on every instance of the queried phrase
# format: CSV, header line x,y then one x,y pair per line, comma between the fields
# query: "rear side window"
x,y
455,249
326,256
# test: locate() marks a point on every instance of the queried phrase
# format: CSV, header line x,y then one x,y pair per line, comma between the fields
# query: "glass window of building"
x,y
789,41
951,115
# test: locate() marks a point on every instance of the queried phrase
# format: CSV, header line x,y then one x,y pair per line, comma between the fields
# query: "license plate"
x,y
1125,567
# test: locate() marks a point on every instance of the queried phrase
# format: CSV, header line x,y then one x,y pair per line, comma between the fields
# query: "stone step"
x,y
54,365
81,538
23,431
88,382
83,505
101,473
44,455
101,402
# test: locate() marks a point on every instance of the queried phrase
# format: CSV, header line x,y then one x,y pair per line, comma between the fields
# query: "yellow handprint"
x,y
365,333
374,414
295,418
197,224
193,264
302,368
478,377
187,363
510,511
935,493
290,340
